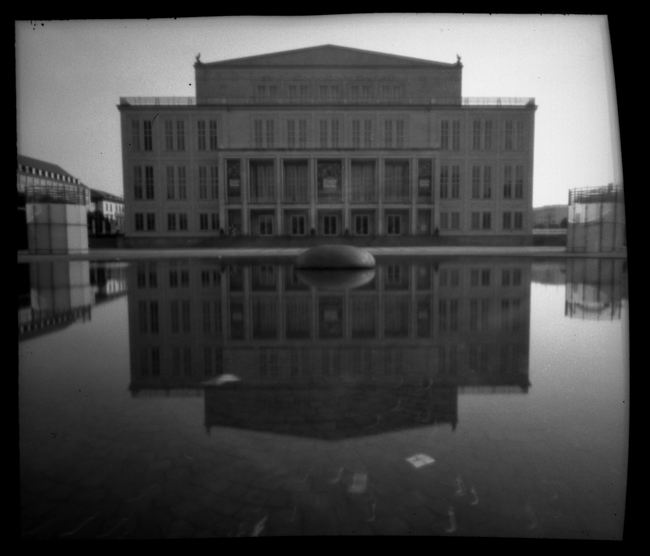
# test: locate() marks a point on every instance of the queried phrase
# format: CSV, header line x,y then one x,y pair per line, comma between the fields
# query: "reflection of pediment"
x,y
333,411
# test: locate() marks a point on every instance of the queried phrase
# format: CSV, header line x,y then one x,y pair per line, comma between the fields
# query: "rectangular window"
x,y
135,135
487,182
270,134
444,182
183,222
509,140
213,135
396,181
171,190
335,134
182,183
137,182
214,182
169,136
487,220
180,135
171,222
291,134
148,135
302,134
519,220
361,224
476,182
356,134
203,222
323,134
296,181
455,135
363,181
201,133
476,135
507,220
507,182
367,133
399,134
487,138
393,225
139,221
262,181
519,145
259,138
298,225
151,222
519,182
293,91
203,182
388,134
455,182
330,225
444,135
266,225
215,220
148,182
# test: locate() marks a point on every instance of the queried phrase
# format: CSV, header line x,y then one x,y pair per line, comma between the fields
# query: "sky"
x,y
71,74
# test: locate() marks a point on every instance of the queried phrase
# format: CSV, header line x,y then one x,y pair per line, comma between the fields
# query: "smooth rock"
x,y
334,257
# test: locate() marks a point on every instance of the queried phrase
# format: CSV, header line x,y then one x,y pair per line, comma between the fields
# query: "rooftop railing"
x,y
68,194
285,101
603,194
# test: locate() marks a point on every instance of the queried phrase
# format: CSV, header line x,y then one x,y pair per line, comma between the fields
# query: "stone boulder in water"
x,y
333,257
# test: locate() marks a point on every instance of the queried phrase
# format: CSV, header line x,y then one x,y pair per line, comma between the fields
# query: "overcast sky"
x,y
71,74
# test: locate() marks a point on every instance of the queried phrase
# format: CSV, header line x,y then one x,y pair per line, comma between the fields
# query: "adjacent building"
x,y
328,141
52,208
106,215
597,220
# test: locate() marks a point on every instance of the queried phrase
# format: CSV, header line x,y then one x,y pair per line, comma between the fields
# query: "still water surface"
x,y
203,398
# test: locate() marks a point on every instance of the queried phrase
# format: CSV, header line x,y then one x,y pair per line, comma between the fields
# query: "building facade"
x,y
106,213
597,220
52,208
328,141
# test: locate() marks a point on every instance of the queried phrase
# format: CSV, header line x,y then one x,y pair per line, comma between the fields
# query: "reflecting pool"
x,y
198,398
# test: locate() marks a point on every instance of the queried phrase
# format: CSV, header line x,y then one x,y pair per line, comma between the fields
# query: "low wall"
x,y
308,241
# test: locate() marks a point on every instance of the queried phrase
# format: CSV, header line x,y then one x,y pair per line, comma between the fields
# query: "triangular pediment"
x,y
327,55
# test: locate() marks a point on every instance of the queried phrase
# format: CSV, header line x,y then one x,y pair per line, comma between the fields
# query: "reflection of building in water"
x,y
549,272
595,288
59,294
108,280
410,339
596,219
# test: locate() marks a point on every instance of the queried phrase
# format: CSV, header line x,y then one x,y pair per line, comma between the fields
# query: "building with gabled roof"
x,y
328,141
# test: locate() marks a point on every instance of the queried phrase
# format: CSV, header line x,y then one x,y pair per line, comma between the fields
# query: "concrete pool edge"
x,y
232,253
